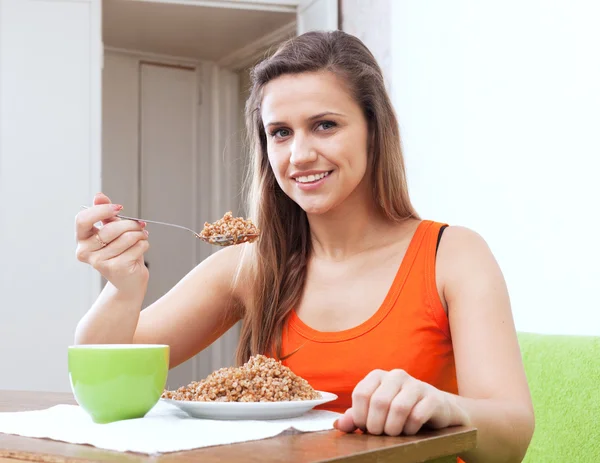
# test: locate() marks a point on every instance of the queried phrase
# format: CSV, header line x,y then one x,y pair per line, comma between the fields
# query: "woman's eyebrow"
x,y
311,118
326,113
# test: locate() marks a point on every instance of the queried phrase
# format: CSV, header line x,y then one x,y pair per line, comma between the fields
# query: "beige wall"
x,y
370,21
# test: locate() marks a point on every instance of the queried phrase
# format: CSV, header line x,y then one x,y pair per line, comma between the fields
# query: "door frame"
x,y
331,7
244,57
281,6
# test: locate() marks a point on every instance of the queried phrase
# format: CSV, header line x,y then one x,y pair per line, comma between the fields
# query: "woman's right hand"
x,y
116,250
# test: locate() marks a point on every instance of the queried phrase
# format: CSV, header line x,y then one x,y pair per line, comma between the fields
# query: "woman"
x,y
407,320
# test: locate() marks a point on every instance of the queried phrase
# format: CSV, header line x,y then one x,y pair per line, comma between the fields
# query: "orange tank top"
x,y
409,331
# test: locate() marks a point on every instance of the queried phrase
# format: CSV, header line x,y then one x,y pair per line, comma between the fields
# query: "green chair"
x,y
564,378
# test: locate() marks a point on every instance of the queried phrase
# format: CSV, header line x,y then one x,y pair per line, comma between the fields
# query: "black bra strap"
x,y
440,237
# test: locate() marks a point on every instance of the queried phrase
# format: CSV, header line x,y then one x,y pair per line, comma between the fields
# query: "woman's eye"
x,y
326,125
280,133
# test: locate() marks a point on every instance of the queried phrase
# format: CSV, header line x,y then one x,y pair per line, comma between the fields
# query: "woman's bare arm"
x,y
192,315
492,385
198,309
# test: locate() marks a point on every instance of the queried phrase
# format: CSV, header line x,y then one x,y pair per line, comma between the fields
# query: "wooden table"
x,y
312,447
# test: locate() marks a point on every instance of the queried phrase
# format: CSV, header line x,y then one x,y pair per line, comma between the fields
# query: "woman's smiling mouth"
x,y
310,177
311,180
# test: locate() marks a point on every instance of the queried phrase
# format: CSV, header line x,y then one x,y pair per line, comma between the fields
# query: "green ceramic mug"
x,y
113,382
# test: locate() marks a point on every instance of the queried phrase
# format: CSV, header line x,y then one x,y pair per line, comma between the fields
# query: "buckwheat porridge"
x,y
240,229
261,379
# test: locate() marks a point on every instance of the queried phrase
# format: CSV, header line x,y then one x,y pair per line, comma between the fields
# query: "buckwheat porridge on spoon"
x,y
229,230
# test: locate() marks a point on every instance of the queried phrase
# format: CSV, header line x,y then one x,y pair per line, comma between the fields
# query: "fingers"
x,y
119,245
361,397
114,230
88,250
115,248
392,403
85,220
118,259
345,423
110,241
420,414
101,198
133,254
381,400
401,409
395,403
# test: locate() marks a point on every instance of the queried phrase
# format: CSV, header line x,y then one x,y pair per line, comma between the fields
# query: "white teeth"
x,y
311,178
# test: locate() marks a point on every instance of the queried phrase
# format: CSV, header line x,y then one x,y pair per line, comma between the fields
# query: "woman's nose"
x,y
302,151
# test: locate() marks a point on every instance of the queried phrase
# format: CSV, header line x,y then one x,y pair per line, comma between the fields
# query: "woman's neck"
x,y
351,228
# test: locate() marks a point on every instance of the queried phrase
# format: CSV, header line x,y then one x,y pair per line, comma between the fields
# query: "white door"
x,y
317,15
167,166
168,121
50,64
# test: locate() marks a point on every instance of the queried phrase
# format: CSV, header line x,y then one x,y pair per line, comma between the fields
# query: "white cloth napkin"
x,y
165,428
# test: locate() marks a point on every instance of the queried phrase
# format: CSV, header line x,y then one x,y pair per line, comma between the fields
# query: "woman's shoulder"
x,y
457,240
463,259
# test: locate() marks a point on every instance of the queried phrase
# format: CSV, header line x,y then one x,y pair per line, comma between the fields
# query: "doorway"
x,y
174,84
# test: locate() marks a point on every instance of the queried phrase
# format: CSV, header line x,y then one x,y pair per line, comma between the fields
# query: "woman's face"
x,y
316,139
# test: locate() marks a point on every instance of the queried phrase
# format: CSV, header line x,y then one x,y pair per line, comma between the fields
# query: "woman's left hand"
x,y
394,403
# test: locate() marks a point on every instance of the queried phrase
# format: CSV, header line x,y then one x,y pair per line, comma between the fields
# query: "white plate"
x,y
250,410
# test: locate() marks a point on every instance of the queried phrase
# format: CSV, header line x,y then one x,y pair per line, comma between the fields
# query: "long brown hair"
x,y
279,259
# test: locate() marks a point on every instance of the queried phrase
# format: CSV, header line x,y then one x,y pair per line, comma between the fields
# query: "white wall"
x,y
370,21
498,106
49,166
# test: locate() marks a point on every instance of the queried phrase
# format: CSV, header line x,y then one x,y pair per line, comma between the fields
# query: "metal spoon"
x,y
218,240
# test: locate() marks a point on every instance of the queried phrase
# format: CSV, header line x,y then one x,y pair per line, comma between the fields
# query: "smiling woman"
x,y
346,284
